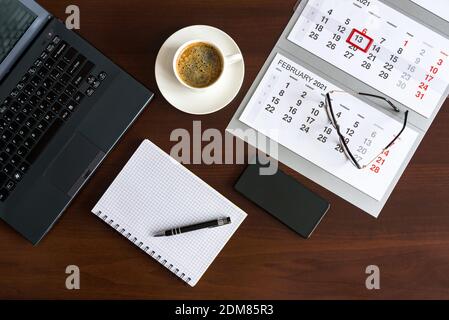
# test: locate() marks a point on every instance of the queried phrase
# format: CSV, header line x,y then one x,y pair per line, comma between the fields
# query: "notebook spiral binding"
x,y
141,246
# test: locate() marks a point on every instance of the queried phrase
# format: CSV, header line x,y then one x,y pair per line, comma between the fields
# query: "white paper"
x,y
154,193
288,107
396,55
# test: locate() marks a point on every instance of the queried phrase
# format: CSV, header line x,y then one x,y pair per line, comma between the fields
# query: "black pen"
x,y
199,226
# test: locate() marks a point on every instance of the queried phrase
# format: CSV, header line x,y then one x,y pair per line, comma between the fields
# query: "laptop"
x,y
63,106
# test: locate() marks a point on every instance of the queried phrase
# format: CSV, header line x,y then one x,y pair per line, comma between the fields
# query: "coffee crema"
x,y
199,65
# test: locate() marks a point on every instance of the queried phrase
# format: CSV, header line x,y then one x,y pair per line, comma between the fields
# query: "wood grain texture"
x,y
264,260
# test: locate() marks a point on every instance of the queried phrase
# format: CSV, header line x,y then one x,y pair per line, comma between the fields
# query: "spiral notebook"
x,y
154,192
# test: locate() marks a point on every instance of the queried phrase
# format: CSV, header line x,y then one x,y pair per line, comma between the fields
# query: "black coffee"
x,y
199,65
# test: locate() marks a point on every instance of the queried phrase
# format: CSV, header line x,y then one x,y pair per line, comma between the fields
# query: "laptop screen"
x,y
15,19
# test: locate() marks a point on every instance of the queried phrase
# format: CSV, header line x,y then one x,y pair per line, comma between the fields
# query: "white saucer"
x,y
191,101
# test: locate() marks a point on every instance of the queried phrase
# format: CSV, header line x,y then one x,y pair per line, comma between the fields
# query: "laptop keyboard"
x,y
45,98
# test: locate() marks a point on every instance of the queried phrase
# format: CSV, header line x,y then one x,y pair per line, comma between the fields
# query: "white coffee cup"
x,y
227,61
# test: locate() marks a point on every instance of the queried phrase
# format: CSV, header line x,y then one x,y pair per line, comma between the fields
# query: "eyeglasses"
x,y
344,141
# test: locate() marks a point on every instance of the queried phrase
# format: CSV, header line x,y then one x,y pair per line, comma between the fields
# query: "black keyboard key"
x,y
61,65
32,70
44,105
22,99
70,90
14,93
49,63
96,84
16,141
76,64
8,169
91,79
3,194
49,116
29,89
59,50
65,114
35,134
43,72
3,124
71,106
30,123
58,88
23,167
90,92
40,92
70,54
22,151
47,83
56,108
42,125
102,76
6,135
14,107
13,126
29,143
34,101
10,149
20,86
3,178
55,74
83,74
56,40
43,142
23,131
6,102
17,175
8,115
3,158
37,114
51,97
50,47
10,185
44,55
63,99
27,109
65,78
15,160
20,118
25,78
78,97
38,63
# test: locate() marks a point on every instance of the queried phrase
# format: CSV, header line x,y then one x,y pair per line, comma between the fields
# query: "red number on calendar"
x,y
423,86
419,95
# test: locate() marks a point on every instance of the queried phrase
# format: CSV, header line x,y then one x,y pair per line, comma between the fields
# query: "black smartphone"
x,y
283,197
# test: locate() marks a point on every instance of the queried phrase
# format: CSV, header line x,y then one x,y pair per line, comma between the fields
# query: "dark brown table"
x,y
264,260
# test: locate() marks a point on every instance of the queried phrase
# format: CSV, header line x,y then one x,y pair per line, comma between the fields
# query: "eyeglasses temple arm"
x,y
380,97
400,132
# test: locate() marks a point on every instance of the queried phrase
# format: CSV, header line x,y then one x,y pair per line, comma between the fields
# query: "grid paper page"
x,y
152,193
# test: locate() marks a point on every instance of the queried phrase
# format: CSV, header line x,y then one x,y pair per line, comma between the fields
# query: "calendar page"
x,y
380,46
288,106
438,7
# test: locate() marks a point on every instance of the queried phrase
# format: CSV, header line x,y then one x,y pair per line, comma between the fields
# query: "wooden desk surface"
x,y
264,260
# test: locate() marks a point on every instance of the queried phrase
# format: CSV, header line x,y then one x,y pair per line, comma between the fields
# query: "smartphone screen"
x,y
284,198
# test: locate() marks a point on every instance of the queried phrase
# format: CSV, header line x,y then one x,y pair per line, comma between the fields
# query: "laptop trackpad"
x,y
74,164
